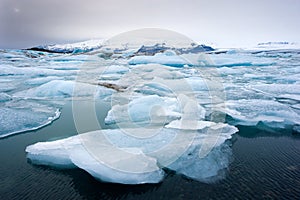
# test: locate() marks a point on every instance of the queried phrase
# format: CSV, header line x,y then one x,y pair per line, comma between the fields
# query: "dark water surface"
x,y
265,166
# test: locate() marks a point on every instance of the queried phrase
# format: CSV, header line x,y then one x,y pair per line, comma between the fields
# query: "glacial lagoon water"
x,y
264,165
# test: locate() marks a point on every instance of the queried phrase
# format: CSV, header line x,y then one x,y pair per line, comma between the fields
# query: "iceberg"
x,y
271,113
112,155
168,58
154,88
150,109
154,110
80,151
208,169
65,89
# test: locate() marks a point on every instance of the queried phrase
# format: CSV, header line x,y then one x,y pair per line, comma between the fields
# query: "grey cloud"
x,y
31,22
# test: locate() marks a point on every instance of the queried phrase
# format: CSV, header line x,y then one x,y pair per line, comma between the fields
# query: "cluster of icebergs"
x,y
169,111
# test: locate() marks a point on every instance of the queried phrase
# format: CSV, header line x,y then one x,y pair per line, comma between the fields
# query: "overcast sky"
x,y
25,23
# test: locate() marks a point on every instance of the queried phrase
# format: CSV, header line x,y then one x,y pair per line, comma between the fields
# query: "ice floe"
x,y
113,155
18,117
65,89
172,107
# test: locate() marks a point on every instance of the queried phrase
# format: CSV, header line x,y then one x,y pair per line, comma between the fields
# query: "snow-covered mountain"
x,y
77,47
106,48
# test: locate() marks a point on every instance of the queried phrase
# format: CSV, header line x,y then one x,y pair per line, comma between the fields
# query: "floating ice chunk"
x,y
145,110
208,169
154,88
65,89
83,151
208,156
155,71
168,84
167,58
33,116
53,153
237,59
271,113
189,124
191,110
116,155
198,155
55,88
126,166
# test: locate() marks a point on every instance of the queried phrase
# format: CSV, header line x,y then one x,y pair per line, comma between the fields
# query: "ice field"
x,y
172,108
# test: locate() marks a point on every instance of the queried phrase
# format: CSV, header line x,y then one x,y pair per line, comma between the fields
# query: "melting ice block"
x,y
153,109
251,112
145,110
91,152
208,156
65,89
24,117
137,156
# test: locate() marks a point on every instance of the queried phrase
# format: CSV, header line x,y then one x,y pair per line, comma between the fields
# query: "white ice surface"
x,y
150,109
236,59
259,89
18,117
81,151
114,155
167,58
271,113
65,89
